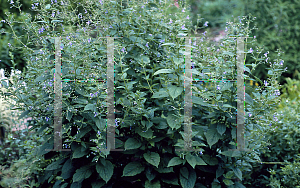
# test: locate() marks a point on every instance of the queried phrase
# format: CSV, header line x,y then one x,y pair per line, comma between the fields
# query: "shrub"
x,y
149,77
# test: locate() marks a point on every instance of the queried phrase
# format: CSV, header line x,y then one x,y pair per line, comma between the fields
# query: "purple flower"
x,y
183,10
265,82
205,24
88,22
251,50
250,114
53,14
193,65
41,30
187,17
182,27
275,118
9,44
266,54
123,50
89,40
11,2
147,45
170,21
281,62
254,37
218,87
204,33
100,1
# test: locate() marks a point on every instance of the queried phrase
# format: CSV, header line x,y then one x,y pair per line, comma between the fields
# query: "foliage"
x,y
149,82
280,158
279,28
7,40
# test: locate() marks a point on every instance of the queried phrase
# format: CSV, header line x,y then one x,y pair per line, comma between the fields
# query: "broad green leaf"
x,y
98,184
160,94
210,160
248,99
146,134
199,101
175,161
257,95
24,114
212,137
238,173
187,177
229,175
200,161
132,143
173,121
55,165
40,78
78,153
89,107
170,179
150,176
105,171
82,173
133,168
228,106
191,160
67,170
221,128
149,184
164,71
145,59
231,153
100,123
174,91
152,158
228,182
219,172
178,61
69,116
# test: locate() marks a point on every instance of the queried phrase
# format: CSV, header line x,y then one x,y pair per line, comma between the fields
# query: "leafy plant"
x,y
149,81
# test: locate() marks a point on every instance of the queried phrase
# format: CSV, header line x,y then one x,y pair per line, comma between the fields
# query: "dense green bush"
x,y
149,82
278,23
281,158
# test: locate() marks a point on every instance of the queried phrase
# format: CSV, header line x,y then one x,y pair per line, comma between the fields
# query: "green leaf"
x,y
221,128
40,78
170,179
146,134
228,106
160,94
149,184
178,61
238,173
98,184
67,170
229,174
132,143
257,95
228,182
69,115
152,158
219,172
78,153
105,171
133,168
248,99
200,161
199,101
89,107
175,161
231,153
55,165
145,59
82,173
100,123
187,177
174,91
24,114
173,121
164,71
212,137
191,160
150,176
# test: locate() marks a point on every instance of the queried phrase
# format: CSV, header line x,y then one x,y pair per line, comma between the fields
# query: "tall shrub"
x,y
149,82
